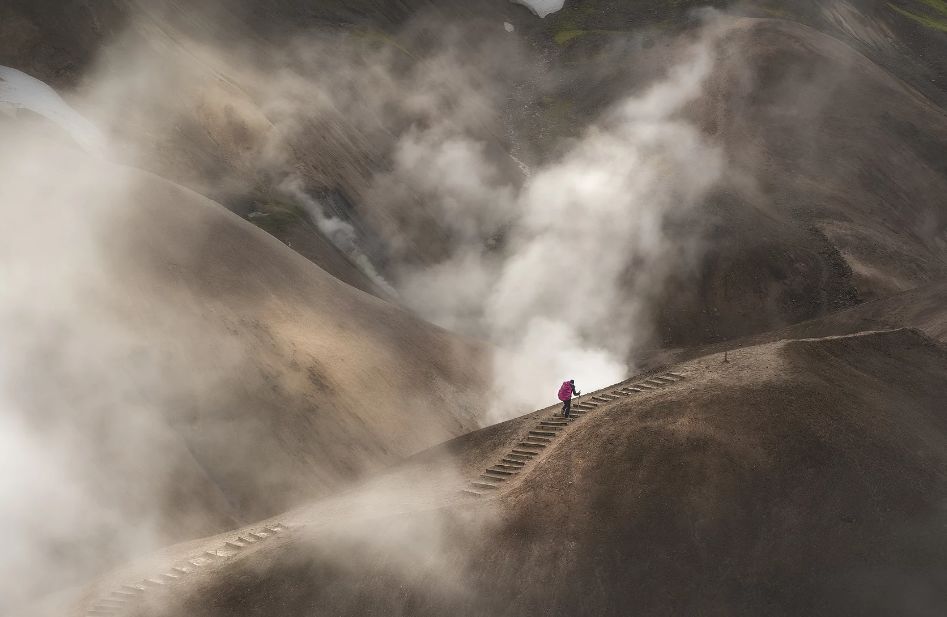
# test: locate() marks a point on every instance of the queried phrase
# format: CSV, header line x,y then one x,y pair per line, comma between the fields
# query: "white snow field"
x,y
20,91
542,7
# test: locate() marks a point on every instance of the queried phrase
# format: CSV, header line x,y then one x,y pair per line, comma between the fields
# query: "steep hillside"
x,y
835,169
203,351
844,204
173,370
831,117
921,309
800,478
240,96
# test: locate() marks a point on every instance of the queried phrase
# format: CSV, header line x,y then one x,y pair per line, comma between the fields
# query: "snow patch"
x,y
20,91
542,7
508,27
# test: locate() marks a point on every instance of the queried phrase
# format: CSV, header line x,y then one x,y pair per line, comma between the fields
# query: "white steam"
x,y
586,246
560,273
341,234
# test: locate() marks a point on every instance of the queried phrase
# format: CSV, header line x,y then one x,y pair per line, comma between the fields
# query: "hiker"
x,y
566,390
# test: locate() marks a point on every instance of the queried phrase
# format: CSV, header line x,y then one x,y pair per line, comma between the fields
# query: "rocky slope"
x,y
832,120
180,370
799,478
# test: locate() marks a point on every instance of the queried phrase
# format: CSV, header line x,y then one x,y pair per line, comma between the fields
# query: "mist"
x,y
124,333
585,248
557,262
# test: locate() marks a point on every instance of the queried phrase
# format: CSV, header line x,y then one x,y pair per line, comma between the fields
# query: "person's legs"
x,y
567,407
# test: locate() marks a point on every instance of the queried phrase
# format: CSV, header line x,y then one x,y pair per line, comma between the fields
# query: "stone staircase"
x,y
128,596
553,426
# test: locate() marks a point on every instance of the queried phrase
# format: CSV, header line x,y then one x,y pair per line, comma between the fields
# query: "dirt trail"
x,y
538,442
796,464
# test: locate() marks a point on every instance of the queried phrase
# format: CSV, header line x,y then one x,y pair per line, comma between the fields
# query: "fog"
x,y
117,345
587,250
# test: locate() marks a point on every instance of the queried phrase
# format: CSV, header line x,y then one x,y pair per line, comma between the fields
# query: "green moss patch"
x,y
278,218
935,15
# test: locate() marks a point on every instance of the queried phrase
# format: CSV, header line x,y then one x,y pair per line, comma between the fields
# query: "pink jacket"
x,y
565,391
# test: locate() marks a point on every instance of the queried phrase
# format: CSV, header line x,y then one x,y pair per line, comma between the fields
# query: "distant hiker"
x,y
566,390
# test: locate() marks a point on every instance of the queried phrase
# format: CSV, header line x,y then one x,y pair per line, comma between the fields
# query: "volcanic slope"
x,y
835,157
260,380
844,204
804,476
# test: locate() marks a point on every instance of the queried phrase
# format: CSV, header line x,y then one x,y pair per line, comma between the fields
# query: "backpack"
x,y
565,391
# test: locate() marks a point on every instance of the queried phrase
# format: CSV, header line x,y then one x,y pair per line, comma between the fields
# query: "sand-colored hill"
x,y
177,371
833,140
799,478
191,376
835,172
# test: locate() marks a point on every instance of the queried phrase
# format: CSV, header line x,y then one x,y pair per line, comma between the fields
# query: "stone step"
x,y
538,438
234,546
110,602
560,423
133,588
120,593
167,576
504,473
148,582
542,426
653,382
490,478
513,462
632,390
531,444
485,485
258,536
678,376
507,467
181,570
543,433
523,453
100,606
644,386
601,399
467,491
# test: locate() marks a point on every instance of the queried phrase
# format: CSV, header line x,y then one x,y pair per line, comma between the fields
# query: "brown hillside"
x,y
192,370
835,152
845,201
800,478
